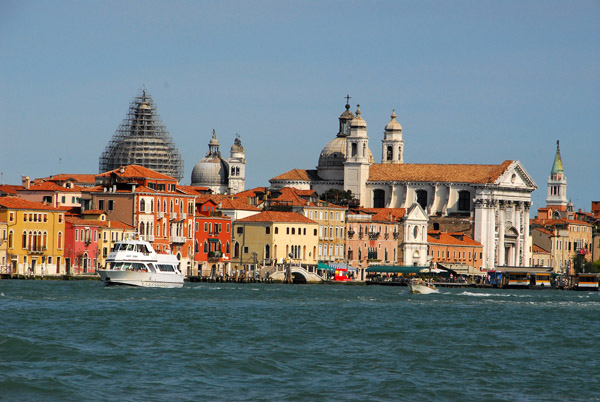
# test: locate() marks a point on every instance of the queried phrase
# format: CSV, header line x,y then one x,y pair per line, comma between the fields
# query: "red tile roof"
x,y
437,173
85,222
385,214
120,225
277,217
51,186
298,175
18,203
450,240
137,171
78,178
10,188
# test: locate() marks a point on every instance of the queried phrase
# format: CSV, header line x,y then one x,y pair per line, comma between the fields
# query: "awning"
x,y
343,265
396,269
325,267
460,269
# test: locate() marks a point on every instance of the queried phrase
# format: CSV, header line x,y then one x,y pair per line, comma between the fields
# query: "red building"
x,y
212,243
81,245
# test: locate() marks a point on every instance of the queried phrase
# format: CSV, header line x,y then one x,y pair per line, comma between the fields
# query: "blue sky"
x,y
471,81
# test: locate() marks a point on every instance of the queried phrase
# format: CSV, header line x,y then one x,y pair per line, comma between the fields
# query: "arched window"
x,y
389,154
142,226
196,247
151,205
354,149
227,247
422,198
205,247
267,251
378,198
59,241
24,239
10,239
464,200
143,205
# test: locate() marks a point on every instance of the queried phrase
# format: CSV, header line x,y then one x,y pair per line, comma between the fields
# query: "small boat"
x,y
135,263
421,287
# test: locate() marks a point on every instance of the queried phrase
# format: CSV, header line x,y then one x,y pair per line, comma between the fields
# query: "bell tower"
x,y
358,158
557,184
392,150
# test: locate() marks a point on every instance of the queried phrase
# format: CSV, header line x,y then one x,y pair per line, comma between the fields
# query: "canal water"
x,y
80,341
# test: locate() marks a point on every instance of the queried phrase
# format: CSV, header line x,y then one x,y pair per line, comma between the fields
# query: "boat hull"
x,y
421,289
141,279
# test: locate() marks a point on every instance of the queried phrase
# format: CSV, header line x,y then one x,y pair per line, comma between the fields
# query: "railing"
x,y
177,239
160,215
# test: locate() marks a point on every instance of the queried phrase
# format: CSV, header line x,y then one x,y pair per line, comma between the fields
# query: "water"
x,y
80,341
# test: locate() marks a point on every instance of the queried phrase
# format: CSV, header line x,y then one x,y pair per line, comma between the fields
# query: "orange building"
x,y
454,250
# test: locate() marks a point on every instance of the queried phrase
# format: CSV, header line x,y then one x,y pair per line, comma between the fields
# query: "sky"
x,y
471,81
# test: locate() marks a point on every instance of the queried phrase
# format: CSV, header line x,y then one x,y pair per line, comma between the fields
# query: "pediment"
x,y
515,176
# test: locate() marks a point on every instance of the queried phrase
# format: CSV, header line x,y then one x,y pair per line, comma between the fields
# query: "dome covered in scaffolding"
x,y
143,140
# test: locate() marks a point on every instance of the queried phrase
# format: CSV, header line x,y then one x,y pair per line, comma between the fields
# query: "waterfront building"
x,y
212,244
493,198
81,245
540,257
222,176
270,237
142,139
152,203
455,251
386,236
35,235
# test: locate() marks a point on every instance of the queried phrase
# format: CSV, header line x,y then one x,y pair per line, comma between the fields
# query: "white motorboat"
x,y
421,287
135,263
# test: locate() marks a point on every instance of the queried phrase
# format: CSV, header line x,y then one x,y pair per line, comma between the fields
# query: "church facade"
x,y
495,197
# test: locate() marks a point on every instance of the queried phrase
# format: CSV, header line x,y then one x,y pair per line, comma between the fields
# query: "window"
x,y
268,231
464,200
422,198
228,228
378,199
111,205
11,217
314,232
276,230
142,205
240,230
59,240
246,250
10,239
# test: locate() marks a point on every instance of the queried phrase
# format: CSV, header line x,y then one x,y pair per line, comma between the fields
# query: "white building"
x,y
496,197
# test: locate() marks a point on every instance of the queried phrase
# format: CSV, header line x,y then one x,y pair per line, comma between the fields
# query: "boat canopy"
x,y
396,269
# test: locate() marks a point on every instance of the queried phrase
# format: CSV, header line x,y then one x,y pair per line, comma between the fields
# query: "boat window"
x,y
152,267
130,247
166,268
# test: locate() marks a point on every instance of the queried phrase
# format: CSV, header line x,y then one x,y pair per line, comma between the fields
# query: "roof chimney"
x,y
25,182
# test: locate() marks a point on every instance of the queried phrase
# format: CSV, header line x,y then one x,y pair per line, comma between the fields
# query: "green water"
x,y
73,341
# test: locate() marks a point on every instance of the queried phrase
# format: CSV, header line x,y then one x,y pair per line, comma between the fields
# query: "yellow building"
x,y
4,267
332,226
35,235
268,238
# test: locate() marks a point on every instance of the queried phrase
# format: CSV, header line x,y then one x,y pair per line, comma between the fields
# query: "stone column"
x,y
501,252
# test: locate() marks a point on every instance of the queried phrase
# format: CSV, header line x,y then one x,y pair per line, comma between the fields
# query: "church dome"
x,y
211,170
334,153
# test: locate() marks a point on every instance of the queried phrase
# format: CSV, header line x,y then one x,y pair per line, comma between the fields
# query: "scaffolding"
x,y
143,140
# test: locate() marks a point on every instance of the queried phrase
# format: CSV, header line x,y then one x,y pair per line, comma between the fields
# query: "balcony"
x,y
350,234
173,216
160,215
177,239
214,255
37,250
373,235
183,215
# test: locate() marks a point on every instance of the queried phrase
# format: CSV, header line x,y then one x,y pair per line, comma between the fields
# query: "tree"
x,y
338,197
